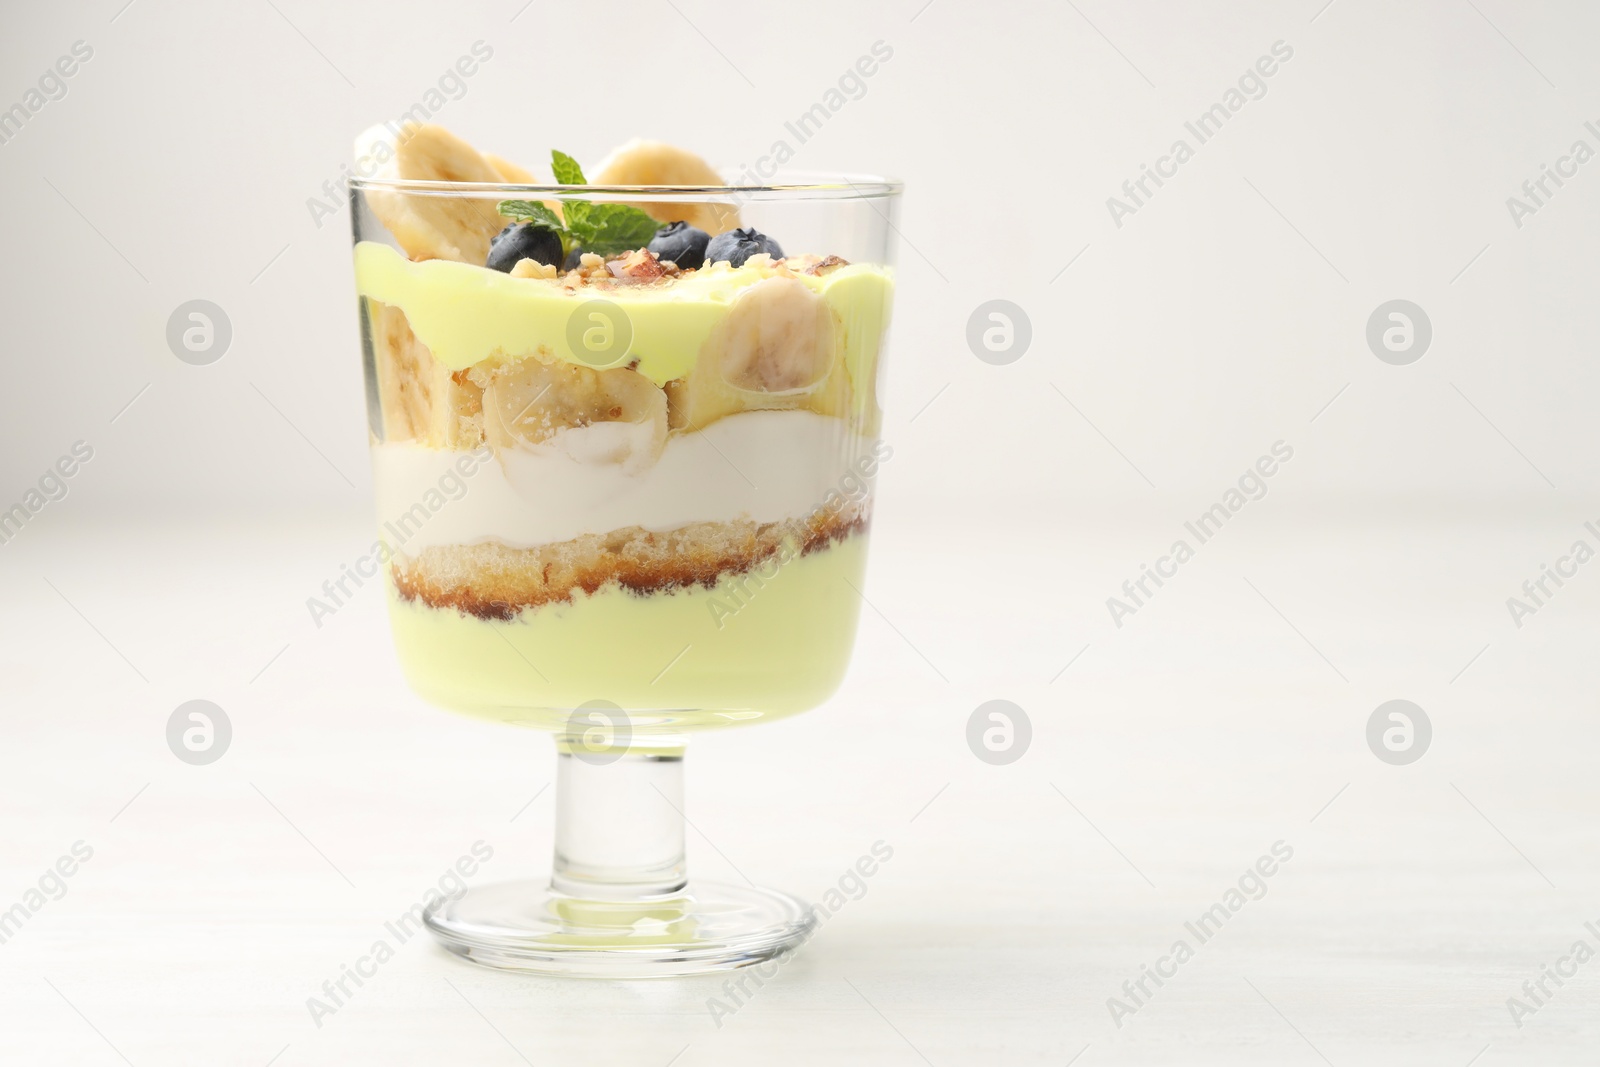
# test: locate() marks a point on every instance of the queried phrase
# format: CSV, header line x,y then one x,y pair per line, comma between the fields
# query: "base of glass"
x,y
528,926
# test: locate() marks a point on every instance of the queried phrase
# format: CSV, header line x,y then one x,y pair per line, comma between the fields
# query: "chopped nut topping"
x,y
532,268
825,265
642,267
639,267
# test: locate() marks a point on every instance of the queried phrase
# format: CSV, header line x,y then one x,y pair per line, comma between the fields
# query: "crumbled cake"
x,y
493,581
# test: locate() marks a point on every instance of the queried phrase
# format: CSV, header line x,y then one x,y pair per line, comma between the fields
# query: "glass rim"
x,y
831,185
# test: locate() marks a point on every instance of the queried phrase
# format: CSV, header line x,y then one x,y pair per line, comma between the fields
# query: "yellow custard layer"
x,y
467,315
768,643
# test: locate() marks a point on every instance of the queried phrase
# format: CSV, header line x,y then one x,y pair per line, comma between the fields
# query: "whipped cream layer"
x,y
758,465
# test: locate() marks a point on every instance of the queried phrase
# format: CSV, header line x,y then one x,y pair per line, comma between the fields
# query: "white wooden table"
x,y
1227,715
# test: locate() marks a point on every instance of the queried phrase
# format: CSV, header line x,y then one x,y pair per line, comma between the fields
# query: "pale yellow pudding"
x,y
770,642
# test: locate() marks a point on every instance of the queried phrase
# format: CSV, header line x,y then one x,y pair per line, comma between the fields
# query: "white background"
x,y
1227,314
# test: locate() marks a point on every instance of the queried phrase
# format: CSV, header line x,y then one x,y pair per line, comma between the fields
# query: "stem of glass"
x,y
619,821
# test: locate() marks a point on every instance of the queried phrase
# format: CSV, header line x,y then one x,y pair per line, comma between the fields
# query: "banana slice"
x,y
778,348
613,416
420,398
434,227
653,163
509,171
778,338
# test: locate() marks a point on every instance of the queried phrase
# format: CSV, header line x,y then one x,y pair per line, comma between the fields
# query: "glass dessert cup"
x,y
624,502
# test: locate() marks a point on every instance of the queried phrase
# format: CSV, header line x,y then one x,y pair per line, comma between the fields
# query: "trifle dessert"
x,y
624,449
624,437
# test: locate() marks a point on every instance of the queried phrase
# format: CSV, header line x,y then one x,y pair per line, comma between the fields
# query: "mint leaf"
x,y
578,224
570,173
604,229
531,211
567,172
617,228
566,169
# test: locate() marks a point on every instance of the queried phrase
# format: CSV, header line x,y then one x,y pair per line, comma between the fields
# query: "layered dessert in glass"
x,y
624,447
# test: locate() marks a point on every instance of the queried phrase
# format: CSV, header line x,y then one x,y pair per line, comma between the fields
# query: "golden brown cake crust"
x,y
493,581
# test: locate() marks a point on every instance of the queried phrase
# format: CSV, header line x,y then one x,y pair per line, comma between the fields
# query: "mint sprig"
x,y
604,229
566,169
609,228
531,211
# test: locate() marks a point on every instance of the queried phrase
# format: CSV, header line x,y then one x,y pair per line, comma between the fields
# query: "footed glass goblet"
x,y
623,498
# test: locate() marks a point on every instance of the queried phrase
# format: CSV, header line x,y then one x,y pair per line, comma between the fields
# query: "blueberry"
x,y
681,243
523,240
574,258
736,246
